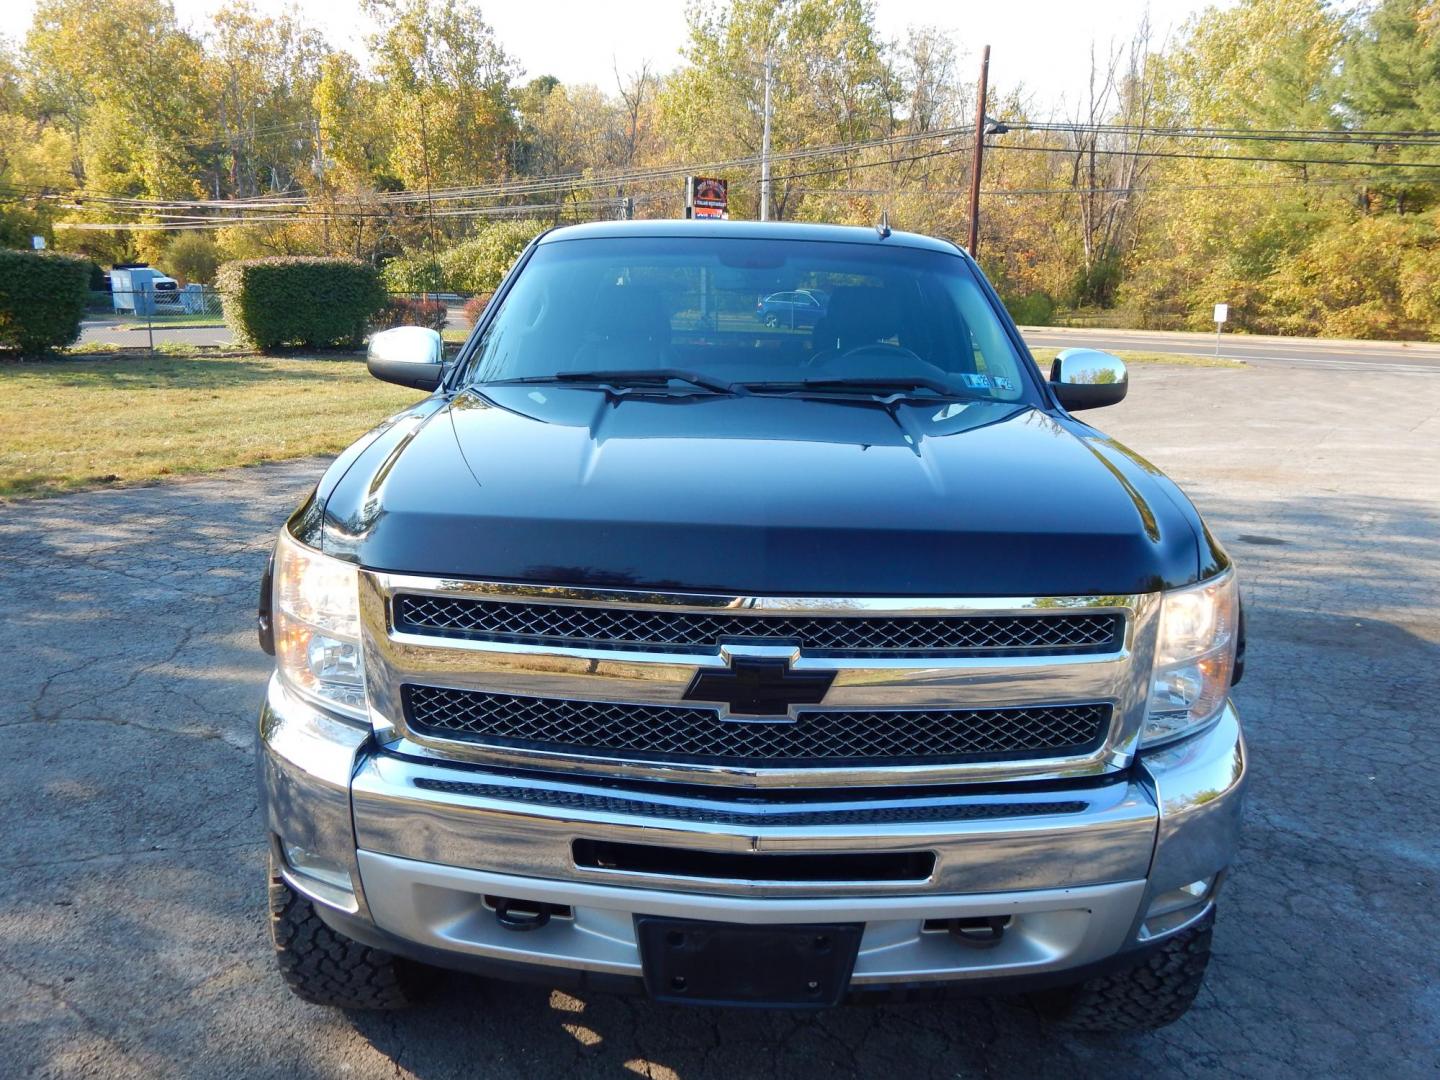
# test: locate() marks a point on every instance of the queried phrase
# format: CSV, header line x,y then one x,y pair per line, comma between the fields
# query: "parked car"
x,y
801,307
750,669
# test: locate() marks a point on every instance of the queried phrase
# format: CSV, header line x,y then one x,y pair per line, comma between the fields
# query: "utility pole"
x,y
974,245
429,195
765,142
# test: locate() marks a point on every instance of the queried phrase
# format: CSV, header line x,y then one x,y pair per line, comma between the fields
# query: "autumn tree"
x,y
830,84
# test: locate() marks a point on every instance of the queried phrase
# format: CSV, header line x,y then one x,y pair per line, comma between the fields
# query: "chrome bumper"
x,y
1078,869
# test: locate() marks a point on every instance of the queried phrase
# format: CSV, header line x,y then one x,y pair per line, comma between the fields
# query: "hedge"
x,y
411,311
299,300
42,300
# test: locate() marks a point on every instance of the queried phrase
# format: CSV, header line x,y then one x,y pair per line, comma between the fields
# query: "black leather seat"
x,y
857,316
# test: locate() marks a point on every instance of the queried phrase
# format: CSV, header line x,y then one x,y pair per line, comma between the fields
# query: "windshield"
x,y
783,316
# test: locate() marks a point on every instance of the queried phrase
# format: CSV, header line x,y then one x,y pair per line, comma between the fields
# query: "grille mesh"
x,y
506,620
814,739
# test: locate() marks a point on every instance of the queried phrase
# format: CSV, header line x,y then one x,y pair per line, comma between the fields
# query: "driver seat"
x,y
857,316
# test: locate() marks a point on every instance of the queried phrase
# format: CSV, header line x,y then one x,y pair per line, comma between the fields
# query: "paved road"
x,y
1372,356
132,939
113,331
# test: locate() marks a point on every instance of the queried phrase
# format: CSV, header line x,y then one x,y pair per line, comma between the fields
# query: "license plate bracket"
x,y
712,963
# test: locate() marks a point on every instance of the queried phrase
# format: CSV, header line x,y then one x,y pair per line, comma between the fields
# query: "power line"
x,y
524,186
1370,164
1298,135
177,213
553,184
1337,181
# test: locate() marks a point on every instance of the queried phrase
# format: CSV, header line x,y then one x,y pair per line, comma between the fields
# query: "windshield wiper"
x,y
879,385
639,377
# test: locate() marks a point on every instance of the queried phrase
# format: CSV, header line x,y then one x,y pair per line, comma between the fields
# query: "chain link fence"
x,y
161,315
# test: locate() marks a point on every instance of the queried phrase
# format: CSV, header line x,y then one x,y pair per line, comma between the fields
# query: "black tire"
x,y
326,968
1155,992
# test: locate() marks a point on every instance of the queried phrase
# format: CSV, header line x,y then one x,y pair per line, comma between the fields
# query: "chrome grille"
x,y
752,814
828,738
1046,633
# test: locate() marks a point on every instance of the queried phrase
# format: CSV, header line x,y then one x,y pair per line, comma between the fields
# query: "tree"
x,y
123,80
1107,168
830,84
261,74
445,91
1392,82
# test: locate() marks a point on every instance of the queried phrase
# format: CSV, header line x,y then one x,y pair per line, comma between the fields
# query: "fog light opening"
x,y
1174,908
319,877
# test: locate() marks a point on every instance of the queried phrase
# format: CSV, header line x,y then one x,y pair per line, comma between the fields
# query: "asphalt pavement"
x,y
1372,356
133,940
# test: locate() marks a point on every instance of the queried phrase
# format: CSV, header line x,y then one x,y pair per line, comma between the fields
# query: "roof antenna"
x,y
883,228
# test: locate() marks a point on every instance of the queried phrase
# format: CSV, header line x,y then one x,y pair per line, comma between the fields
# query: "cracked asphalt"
x,y
132,936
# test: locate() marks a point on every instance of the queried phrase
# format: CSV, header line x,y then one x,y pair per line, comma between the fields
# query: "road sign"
x,y
1222,313
38,243
707,197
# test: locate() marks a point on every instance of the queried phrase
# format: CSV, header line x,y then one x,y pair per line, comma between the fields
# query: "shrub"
x,y
192,257
475,307
42,299
475,265
299,300
410,311
1032,309
413,274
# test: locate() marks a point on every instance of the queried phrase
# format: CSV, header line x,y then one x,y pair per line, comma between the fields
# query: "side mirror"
x,y
1088,379
407,355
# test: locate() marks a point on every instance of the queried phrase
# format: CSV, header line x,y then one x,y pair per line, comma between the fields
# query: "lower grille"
x,y
816,738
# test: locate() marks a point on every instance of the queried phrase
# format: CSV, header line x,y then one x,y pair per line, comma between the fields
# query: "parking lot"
x,y
132,932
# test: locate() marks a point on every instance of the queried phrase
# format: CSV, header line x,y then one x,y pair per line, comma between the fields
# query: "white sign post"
x,y
38,243
1222,316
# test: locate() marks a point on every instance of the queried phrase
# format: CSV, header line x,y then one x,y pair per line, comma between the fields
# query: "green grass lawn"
x,y
133,322
85,423
1044,356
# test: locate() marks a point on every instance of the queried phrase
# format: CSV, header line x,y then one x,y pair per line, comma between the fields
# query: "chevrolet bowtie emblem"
x,y
760,687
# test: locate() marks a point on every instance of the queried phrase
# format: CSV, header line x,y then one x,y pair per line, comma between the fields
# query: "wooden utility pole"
x,y
974,245
765,141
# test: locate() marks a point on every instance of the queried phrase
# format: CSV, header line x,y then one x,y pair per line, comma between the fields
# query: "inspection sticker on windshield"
x,y
1002,383
976,382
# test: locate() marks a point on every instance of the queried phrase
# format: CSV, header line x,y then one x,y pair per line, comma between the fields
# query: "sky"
x,y
1043,45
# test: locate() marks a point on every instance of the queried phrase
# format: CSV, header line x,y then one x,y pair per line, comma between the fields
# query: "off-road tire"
x,y
326,968
1155,992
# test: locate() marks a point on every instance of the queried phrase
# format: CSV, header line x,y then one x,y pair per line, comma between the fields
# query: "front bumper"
x,y
1078,869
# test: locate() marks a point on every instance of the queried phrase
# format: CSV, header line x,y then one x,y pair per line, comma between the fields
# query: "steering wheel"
x,y
854,362
882,348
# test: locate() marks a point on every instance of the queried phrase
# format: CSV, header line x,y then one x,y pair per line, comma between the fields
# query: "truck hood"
x,y
760,495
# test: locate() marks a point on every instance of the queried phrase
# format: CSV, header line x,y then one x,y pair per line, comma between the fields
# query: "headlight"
x,y
317,627
1194,659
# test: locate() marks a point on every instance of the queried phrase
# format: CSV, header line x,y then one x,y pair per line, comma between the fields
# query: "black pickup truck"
x,y
666,647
